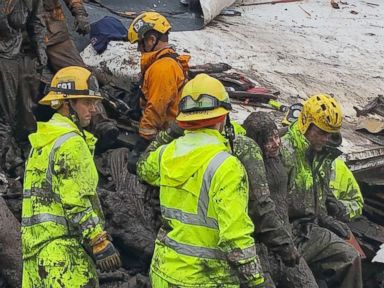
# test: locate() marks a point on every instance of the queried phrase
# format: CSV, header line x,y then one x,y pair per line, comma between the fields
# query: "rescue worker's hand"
x,y
336,209
290,256
250,274
82,25
42,55
106,256
339,228
174,130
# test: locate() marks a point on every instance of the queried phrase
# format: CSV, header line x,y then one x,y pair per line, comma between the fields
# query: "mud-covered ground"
x,y
299,48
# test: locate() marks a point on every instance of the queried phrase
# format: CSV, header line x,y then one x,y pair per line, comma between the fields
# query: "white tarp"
x,y
212,8
379,255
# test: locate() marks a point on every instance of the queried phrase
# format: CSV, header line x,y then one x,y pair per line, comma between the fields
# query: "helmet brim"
x,y
52,96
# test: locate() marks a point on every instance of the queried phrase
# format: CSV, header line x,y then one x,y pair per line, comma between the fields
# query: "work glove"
x,y
290,256
42,55
339,228
250,273
174,130
82,25
250,277
254,283
337,209
106,256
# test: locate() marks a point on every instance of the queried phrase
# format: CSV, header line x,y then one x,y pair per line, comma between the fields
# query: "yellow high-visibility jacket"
x,y
206,231
345,188
59,193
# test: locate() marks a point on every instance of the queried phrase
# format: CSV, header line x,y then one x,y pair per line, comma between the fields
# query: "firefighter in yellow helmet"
x,y
62,221
307,158
206,237
163,73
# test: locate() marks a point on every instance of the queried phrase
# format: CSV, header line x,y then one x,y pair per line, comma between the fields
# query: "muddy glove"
x,y
42,55
290,256
249,276
106,256
174,130
82,24
339,228
249,271
337,209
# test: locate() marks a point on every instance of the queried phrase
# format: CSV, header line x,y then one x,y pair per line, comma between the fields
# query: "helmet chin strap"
x,y
74,117
153,46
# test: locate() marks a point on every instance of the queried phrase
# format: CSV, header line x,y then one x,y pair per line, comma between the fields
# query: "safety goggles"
x,y
202,103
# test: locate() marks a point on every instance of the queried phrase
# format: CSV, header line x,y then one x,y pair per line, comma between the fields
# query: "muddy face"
x,y
272,145
317,138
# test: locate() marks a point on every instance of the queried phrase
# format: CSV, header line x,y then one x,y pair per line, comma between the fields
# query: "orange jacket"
x,y
163,80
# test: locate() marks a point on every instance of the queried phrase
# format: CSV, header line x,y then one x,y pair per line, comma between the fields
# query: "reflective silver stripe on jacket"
x,y
56,146
44,217
47,192
90,222
161,153
78,216
40,192
201,218
333,171
194,251
204,252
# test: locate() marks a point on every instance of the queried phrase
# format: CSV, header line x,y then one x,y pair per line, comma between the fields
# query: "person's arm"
x,y
37,27
161,90
77,182
148,166
229,188
78,11
268,227
346,189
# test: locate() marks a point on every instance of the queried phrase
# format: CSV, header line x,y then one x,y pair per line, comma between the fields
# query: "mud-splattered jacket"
x,y
16,17
345,188
59,193
308,173
206,237
268,225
